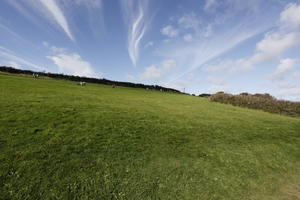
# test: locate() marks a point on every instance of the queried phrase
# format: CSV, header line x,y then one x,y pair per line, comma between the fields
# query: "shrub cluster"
x,y
264,102
204,95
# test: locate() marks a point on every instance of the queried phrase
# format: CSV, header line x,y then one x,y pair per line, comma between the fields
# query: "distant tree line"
x,y
264,102
87,79
204,95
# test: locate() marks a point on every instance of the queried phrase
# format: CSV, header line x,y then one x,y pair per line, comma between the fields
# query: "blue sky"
x,y
200,46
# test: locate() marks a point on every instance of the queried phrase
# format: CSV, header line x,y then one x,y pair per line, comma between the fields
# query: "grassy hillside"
x,y
62,141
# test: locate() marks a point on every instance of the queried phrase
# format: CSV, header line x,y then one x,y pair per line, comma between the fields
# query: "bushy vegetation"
x,y
264,102
87,79
204,95
59,140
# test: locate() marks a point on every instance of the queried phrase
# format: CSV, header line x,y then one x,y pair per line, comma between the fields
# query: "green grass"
x,y
62,141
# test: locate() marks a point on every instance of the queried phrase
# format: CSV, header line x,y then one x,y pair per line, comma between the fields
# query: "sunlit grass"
x,y
62,141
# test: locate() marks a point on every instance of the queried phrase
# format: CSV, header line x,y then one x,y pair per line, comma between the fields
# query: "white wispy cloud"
x,y
216,84
10,63
70,62
290,17
209,5
60,12
196,54
271,48
209,44
73,64
274,44
48,9
57,15
18,61
156,73
290,92
189,25
214,35
14,64
189,21
54,49
216,80
21,7
149,44
94,15
130,77
212,89
12,33
88,3
285,79
285,66
137,21
188,37
169,31
229,66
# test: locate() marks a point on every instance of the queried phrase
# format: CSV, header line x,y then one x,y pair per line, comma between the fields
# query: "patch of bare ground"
x,y
292,191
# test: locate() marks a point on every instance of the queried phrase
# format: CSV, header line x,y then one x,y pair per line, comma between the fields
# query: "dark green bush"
x,y
264,102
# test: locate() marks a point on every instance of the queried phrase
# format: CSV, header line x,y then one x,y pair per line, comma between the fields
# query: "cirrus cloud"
x,y
137,20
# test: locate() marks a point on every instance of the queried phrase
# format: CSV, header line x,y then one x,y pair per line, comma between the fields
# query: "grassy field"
x,y
62,141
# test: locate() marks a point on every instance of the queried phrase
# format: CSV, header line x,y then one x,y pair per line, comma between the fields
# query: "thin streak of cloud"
x,y
57,15
10,55
14,64
270,48
201,54
135,16
94,15
209,4
14,34
88,3
46,8
20,6
192,56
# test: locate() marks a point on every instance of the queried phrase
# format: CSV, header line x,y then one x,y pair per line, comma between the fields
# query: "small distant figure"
x,y
113,86
161,90
35,75
147,88
82,83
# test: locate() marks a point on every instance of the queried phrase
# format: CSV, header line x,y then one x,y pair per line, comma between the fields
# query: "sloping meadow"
x,y
59,140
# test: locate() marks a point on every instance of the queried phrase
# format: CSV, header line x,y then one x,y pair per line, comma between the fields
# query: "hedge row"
x,y
263,102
